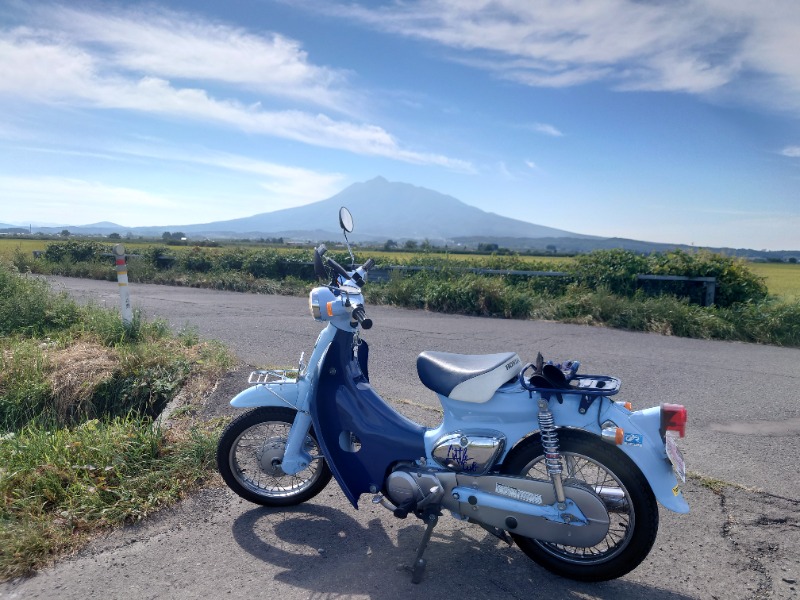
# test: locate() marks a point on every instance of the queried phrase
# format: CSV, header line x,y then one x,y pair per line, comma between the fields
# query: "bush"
x,y
197,260
735,282
263,264
76,251
230,260
615,270
159,257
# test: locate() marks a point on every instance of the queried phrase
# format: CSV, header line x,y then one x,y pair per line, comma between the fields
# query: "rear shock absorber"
x,y
552,456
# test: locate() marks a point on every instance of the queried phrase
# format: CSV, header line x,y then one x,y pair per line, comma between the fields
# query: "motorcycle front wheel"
x,y
594,465
249,456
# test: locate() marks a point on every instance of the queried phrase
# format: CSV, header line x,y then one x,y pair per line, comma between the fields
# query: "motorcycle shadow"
x,y
331,554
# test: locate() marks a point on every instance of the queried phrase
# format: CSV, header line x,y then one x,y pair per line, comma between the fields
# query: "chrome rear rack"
x,y
272,376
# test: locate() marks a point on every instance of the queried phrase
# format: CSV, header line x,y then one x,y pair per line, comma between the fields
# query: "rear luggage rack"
x,y
272,376
584,385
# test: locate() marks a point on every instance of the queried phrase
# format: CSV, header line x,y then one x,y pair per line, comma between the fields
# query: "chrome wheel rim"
x,y
583,471
256,456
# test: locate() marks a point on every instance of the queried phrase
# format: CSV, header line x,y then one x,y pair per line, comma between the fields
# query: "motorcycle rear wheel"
x,y
633,512
249,453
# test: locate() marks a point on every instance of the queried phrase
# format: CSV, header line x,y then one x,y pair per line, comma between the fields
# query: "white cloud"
x,y
791,151
699,47
546,129
161,43
131,61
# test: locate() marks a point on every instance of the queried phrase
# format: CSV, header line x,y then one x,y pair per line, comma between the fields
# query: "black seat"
x,y
467,377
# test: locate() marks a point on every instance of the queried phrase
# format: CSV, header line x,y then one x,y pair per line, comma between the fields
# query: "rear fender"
x,y
642,443
651,457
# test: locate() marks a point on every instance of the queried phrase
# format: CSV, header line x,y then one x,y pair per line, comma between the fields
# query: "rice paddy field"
x,y
783,279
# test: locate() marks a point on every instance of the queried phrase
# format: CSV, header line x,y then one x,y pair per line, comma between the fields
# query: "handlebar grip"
x,y
368,265
360,315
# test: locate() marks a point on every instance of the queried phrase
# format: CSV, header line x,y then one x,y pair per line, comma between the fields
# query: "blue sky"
x,y
662,121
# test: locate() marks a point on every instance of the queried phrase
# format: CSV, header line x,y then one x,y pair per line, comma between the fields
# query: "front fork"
x,y
295,457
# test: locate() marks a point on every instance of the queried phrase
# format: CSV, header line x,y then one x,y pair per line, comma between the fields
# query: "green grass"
x,y
79,448
59,486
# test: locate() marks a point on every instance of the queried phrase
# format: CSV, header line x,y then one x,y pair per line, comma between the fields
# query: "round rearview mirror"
x,y
345,220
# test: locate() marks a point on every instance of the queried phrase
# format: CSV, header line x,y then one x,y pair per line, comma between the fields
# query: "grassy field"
x,y
783,279
9,245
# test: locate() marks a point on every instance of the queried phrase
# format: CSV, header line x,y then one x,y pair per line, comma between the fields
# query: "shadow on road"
x,y
330,554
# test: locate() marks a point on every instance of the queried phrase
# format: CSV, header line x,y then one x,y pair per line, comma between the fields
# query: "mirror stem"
x,y
352,258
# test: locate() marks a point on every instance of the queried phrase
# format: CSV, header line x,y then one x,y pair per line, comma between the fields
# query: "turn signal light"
x,y
673,418
612,435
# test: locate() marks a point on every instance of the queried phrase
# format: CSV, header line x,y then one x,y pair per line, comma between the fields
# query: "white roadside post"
x,y
122,280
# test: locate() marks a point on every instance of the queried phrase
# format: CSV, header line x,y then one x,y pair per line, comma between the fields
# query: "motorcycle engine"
x,y
404,487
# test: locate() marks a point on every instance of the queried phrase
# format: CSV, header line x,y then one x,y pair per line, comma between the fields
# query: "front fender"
x,y
271,394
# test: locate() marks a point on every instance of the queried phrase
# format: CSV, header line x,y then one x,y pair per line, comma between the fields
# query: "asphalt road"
x,y
744,429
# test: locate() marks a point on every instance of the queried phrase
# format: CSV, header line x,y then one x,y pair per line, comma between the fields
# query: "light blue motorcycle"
x,y
535,453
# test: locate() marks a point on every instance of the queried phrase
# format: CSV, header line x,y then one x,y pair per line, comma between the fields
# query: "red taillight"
x,y
673,418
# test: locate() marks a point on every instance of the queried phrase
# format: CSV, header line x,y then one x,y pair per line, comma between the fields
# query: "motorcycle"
x,y
536,454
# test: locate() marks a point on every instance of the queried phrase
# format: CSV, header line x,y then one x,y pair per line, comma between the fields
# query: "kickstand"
x,y
419,562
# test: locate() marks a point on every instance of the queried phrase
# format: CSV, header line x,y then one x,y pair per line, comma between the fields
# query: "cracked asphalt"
x,y
741,539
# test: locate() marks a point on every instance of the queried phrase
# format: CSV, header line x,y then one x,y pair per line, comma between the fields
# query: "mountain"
x,y
383,210
7,229
102,225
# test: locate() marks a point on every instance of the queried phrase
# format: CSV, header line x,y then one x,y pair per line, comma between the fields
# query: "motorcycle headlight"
x,y
322,304
313,305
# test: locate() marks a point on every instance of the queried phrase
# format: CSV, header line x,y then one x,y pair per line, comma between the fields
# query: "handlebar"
x,y
339,269
342,272
360,315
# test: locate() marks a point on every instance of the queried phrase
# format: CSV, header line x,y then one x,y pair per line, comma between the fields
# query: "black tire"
x,y
633,512
249,454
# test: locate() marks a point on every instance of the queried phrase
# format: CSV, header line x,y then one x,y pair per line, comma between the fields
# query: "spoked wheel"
x,y
249,458
632,509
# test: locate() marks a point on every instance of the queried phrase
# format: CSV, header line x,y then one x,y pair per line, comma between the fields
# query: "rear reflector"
x,y
673,418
